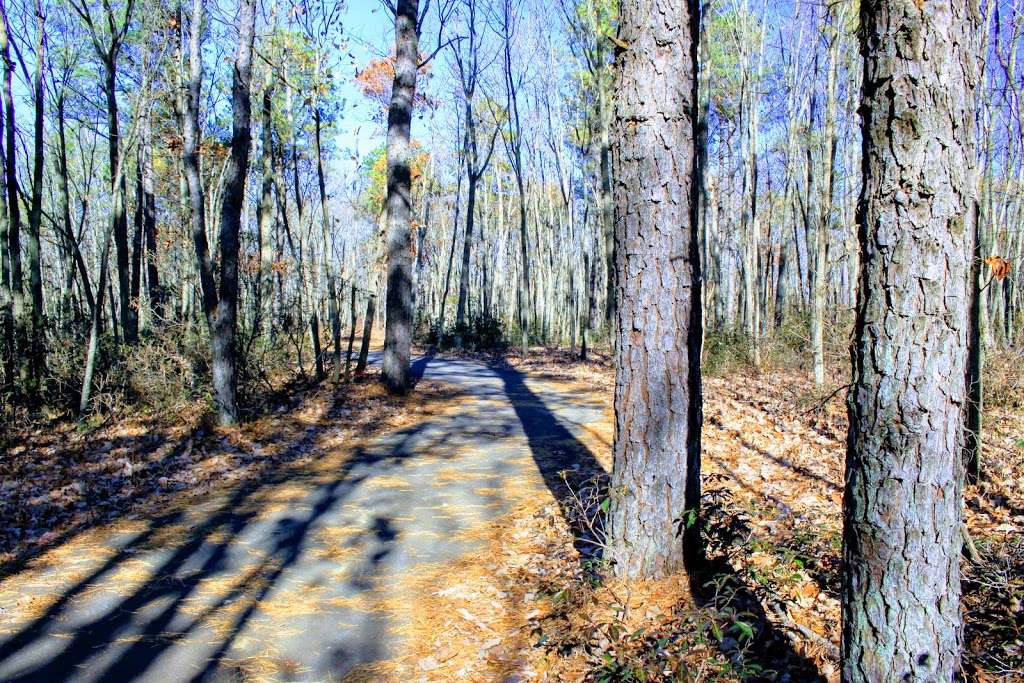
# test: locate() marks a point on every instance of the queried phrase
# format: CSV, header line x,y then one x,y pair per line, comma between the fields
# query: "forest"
x,y
512,340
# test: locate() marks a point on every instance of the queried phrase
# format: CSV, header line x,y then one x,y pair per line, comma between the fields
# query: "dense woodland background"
x,y
511,184
209,209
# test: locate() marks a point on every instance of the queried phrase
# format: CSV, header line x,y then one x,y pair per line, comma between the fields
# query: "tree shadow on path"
x,y
163,625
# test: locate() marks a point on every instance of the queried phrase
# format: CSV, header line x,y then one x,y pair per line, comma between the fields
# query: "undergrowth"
x,y
167,371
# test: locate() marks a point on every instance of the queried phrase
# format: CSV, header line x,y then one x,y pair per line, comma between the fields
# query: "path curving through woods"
x,y
302,575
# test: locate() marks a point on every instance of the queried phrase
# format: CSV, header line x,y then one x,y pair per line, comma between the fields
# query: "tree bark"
x,y
128,314
36,350
364,347
656,471
820,258
904,476
6,286
265,213
973,408
400,302
222,332
462,308
19,319
154,291
351,332
220,303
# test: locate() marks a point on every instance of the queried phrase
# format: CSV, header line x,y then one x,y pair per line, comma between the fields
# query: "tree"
x,y
656,471
903,498
108,38
16,322
508,19
399,303
467,61
220,300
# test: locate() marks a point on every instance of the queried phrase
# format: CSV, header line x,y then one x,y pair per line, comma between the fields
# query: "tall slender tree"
x,y
904,476
656,471
220,299
467,55
108,35
399,303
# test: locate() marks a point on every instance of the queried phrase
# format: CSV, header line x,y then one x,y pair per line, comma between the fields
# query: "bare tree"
x,y
220,300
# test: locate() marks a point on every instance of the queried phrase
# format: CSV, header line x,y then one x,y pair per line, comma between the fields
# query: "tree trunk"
x,y
351,332
904,476
6,294
137,237
820,260
656,471
154,291
451,252
96,320
975,361
37,344
467,251
364,347
222,332
400,303
265,214
128,314
19,318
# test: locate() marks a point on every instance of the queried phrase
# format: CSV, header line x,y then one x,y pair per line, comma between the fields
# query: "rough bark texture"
x,y
656,473
902,505
399,303
222,331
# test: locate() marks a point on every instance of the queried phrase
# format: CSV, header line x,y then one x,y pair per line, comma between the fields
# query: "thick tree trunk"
x,y
656,472
904,476
220,304
400,300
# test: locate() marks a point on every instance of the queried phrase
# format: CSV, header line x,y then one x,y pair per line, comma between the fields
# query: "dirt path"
x,y
303,576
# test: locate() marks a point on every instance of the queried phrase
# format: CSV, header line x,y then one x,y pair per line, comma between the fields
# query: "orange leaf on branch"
x,y
376,78
1000,267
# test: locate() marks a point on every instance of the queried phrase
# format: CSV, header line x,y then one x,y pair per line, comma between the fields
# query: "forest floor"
x,y
451,535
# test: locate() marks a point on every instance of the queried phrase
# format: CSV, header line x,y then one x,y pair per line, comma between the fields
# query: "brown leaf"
x,y
1000,267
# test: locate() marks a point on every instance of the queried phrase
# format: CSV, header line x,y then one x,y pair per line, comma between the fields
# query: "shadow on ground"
x,y
124,634
295,574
